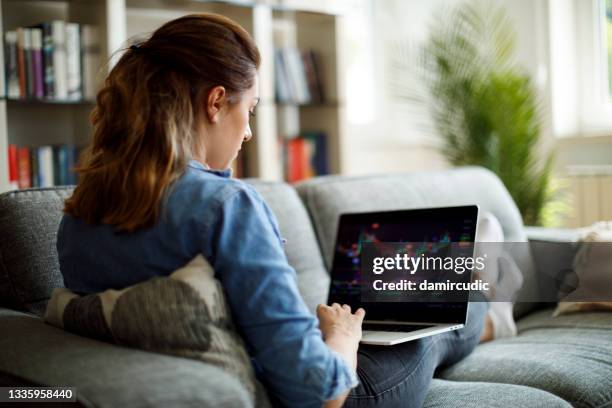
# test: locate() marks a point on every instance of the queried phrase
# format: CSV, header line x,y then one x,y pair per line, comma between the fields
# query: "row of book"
x,y
297,76
52,60
305,156
44,166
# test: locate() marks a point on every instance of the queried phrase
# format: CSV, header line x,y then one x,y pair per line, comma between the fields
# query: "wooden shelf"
x,y
36,101
331,104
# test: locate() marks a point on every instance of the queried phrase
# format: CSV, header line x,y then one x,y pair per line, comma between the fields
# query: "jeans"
x,y
399,375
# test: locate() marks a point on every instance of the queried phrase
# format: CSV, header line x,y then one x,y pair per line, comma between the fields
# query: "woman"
x,y
154,191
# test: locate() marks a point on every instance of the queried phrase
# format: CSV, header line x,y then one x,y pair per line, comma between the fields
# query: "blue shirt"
x,y
227,221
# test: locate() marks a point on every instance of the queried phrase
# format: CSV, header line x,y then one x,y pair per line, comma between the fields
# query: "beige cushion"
x,y
593,273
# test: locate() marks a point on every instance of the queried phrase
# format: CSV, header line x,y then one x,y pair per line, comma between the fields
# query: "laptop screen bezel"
x,y
407,312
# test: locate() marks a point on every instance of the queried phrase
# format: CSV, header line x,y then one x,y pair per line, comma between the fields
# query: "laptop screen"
x,y
449,224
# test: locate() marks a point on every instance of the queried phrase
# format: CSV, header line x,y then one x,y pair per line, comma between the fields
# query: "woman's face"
x,y
227,125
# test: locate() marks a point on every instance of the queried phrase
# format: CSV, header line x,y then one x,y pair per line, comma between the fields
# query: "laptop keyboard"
x,y
393,327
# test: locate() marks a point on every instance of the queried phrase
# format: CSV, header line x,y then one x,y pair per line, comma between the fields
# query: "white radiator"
x,y
591,194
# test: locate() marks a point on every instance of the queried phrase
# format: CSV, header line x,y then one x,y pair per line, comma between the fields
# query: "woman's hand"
x,y
341,331
338,321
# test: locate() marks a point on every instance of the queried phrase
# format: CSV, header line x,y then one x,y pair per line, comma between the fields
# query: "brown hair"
x,y
146,113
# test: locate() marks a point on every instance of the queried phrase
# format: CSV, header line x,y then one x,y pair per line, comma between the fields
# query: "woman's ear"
x,y
214,103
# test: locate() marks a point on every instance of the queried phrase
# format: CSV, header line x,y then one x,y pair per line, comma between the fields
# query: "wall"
x,y
387,134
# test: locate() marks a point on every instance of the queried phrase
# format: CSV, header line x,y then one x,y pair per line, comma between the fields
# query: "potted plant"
x,y
484,106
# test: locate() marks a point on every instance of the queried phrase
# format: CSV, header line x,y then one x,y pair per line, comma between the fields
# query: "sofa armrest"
x,y
106,375
544,234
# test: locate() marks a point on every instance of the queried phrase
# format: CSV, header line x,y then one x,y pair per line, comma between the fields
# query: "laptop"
x,y
392,322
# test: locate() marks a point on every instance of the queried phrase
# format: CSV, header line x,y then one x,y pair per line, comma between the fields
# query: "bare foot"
x,y
487,332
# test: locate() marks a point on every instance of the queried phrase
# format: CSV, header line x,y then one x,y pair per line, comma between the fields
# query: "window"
x,y
580,41
595,66
608,33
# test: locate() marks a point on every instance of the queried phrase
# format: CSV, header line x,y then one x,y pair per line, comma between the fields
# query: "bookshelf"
x,y
273,23
35,121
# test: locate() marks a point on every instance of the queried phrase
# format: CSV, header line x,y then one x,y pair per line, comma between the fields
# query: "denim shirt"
x,y
226,220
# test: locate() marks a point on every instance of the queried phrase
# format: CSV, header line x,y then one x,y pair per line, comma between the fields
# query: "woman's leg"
x,y
399,376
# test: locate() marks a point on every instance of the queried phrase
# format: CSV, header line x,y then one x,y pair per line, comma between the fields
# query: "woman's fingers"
x,y
360,313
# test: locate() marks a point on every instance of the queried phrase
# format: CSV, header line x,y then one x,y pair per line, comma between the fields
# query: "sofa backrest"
x,y
328,197
301,247
29,267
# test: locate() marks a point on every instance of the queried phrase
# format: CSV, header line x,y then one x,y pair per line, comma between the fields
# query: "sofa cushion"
x,y
463,394
301,247
328,197
569,356
107,376
29,268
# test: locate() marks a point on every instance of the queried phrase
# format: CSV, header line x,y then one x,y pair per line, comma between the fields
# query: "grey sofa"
x,y
553,362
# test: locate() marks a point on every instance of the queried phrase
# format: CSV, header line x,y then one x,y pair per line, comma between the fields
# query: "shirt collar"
x,y
204,167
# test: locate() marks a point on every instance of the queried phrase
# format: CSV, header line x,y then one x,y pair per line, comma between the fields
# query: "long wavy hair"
x,y
147,113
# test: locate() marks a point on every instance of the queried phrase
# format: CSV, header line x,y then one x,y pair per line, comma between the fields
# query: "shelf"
x,y
38,1
35,101
329,104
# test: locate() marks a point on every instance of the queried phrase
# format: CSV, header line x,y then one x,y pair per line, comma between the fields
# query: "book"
x,y
34,167
63,164
296,160
310,151
313,76
11,67
57,165
29,63
283,92
91,55
305,156
43,166
322,165
46,176
72,155
21,63
319,161
296,75
25,171
58,31
37,63
13,162
73,61
49,80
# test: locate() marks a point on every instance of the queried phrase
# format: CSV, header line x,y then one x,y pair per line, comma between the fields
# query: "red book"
x,y
296,160
25,170
13,166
